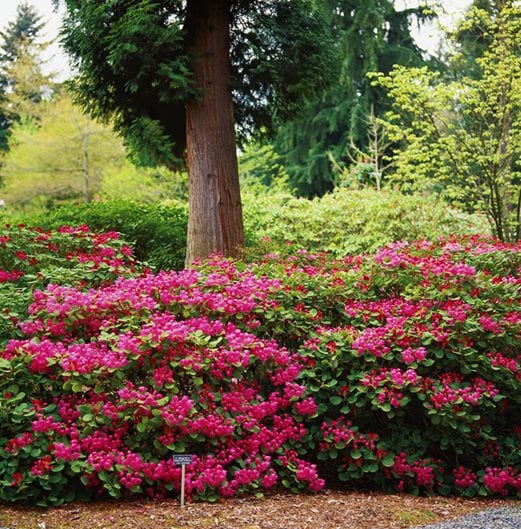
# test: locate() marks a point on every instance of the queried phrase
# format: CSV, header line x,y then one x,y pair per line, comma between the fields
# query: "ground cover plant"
x,y
399,370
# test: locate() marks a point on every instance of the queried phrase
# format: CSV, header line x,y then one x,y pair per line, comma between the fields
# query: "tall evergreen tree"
x,y
27,25
29,86
17,38
371,35
172,75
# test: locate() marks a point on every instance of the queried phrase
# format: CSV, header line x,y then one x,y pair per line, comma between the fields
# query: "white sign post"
x,y
183,460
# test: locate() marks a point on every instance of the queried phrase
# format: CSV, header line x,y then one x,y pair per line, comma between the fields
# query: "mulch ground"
x,y
327,510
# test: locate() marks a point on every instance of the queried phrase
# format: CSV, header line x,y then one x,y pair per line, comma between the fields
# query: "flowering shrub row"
x,y
123,403
31,258
417,375
400,370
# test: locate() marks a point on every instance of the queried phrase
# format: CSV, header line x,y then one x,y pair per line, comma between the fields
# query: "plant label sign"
x,y
183,460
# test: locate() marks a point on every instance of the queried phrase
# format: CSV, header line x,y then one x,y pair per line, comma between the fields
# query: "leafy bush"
x,y
418,386
31,258
347,222
400,370
109,384
157,232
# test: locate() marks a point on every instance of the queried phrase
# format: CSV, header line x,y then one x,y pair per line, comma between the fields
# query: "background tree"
x,y
128,182
20,65
465,136
29,87
371,35
173,74
64,158
472,36
365,167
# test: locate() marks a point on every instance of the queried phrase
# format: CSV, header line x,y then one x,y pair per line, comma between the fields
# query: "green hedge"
x,y
343,222
348,222
157,232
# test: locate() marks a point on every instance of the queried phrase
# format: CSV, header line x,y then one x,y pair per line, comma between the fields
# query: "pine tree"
x,y
27,25
20,66
176,75
372,36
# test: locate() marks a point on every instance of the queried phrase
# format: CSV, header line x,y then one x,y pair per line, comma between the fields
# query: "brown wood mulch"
x,y
327,510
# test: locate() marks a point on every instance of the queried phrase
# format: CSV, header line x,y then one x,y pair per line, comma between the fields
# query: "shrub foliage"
x,y
31,258
156,232
349,221
400,370
343,222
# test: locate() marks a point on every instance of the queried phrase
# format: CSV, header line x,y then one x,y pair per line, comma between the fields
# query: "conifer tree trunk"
x,y
215,213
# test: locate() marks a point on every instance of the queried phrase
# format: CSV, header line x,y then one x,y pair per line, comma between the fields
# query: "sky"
x,y
427,37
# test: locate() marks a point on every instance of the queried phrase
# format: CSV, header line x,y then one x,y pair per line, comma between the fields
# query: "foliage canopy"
x,y
370,35
65,157
465,136
135,66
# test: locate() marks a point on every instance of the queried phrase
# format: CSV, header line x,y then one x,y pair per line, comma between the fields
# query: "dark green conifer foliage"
x,y
27,25
134,66
371,35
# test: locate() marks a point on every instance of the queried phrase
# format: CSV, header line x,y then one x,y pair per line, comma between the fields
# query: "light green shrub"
x,y
348,221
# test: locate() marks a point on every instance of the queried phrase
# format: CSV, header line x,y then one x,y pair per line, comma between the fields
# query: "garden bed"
x,y
398,372
327,510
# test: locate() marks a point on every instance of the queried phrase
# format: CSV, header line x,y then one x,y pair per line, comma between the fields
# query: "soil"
x,y
327,510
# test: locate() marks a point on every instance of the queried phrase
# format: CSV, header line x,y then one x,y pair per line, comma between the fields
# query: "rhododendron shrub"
x,y
413,357
111,384
31,258
399,370
419,386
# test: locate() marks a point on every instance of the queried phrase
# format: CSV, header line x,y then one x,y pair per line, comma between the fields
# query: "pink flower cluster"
x,y
449,390
77,245
10,276
422,471
505,362
500,480
411,355
340,431
41,466
464,478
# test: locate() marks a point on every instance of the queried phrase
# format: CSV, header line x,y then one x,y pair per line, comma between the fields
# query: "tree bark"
x,y
215,212
86,166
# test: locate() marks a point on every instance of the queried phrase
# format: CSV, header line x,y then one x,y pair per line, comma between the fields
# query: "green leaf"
x,y
388,460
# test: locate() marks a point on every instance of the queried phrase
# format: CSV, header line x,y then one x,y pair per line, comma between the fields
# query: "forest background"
x,y
347,167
